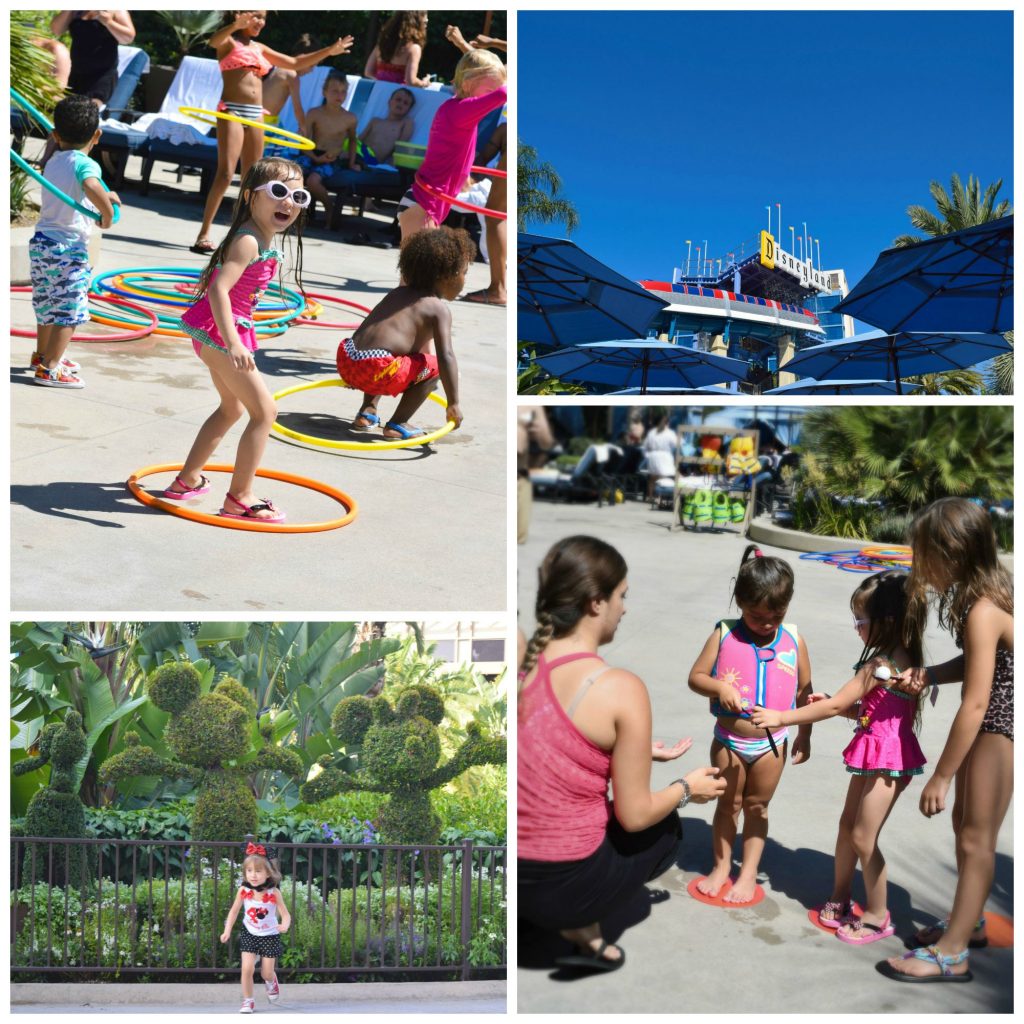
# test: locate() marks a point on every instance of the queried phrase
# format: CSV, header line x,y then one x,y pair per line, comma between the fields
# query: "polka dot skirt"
x,y
269,946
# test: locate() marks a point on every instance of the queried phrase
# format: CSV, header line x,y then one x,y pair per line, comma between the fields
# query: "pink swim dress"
x,y
884,743
198,322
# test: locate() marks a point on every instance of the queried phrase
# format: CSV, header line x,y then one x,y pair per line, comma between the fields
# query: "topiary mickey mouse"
x,y
56,810
398,751
211,737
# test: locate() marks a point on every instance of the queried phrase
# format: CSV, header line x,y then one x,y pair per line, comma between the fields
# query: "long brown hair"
x,y
955,558
576,571
401,28
271,168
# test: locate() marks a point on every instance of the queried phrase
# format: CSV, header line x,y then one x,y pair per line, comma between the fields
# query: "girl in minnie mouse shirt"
x,y
260,902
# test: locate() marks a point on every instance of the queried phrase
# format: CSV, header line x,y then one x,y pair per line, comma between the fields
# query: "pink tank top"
x,y
563,806
766,676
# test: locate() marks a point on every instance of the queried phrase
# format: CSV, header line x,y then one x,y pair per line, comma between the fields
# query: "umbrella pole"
x,y
643,374
896,366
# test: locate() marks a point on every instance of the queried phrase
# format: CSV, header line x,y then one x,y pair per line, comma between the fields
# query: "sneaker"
x,y
67,364
58,377
273,989
248,1006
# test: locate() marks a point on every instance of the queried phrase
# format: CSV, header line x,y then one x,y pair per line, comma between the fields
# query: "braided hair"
x,y
576,571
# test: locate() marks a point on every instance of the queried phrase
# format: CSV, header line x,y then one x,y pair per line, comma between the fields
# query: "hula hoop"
x,y
901,553
144,330
356,446
494,172
346,502
436,193
297,141
120,287
311,321
59,193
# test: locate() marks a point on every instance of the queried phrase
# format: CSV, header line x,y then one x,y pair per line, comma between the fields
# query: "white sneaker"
x,y
273,989
248,1006
58,377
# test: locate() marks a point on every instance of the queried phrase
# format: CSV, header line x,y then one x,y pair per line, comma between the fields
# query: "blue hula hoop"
x,y
44,123
129,278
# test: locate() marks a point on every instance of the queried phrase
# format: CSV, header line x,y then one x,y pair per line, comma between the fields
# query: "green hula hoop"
x,y
44,122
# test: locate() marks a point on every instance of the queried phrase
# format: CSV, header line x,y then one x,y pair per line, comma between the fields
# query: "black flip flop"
x,y
593,960
203,250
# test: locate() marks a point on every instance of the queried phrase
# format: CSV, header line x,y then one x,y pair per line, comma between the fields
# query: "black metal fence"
x,y
117,906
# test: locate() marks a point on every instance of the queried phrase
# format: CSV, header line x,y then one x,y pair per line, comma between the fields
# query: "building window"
x,y
445,650
488,650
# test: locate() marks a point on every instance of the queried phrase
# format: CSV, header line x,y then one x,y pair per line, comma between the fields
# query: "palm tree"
x,y
964,208
949,382
1000,375
538,186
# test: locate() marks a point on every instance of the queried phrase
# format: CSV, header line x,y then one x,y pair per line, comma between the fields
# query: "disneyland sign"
x,y
775,258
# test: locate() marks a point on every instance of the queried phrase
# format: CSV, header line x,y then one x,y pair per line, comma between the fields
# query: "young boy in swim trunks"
x,y
392,352
382,133
333,129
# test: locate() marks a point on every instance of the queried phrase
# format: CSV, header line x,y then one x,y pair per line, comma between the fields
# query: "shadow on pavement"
x,y
64,499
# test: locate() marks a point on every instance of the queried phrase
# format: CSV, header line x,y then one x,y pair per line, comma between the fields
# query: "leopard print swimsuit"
x,y
999,714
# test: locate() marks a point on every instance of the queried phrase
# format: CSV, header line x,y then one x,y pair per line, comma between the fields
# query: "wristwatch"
x,y
686,793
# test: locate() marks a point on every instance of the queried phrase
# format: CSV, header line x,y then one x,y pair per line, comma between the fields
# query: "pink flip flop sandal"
x,y
869,932
249,511
203,487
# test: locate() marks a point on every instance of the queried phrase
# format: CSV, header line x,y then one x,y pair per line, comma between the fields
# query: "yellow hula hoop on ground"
x,y
279,134
356,446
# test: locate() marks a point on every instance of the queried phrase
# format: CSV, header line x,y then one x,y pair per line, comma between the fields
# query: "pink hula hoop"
x,y
494,172
453,201
307,321
142,332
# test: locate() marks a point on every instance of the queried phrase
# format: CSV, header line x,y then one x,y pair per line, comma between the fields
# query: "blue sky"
x,y
667,126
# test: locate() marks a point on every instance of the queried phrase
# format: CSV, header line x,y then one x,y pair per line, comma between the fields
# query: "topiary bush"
x,y
211,737
56,810
398,750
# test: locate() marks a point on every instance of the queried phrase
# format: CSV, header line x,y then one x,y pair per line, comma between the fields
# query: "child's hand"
x,y
342,46
454,414
765,719
246,19
225,935
933,796
114,197
913,680
730,699
241,358
813,698
659,752
284,926
801,750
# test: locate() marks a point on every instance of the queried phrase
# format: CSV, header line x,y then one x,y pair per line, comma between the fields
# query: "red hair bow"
x,y
255,848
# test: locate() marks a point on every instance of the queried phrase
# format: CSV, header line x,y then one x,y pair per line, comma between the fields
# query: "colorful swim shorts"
x,y
379,372
60,281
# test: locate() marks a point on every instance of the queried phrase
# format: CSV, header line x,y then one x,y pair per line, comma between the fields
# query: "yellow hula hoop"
x,y
280,135
356,446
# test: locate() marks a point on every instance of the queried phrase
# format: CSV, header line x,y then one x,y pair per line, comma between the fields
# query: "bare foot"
x,y
711,885
741,892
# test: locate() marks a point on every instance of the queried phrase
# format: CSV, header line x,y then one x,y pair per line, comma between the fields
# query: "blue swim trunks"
x,y
60,281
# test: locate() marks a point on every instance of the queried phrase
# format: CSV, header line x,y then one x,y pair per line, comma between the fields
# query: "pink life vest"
x,y
766,676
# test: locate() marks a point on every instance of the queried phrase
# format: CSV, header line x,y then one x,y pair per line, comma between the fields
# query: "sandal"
x,y
843,913
249,511
202,487
593,959
867,932
404,432
931,955
202,247
480,298
937,930
371,418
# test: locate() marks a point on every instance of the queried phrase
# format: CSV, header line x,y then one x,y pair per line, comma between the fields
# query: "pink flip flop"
x,y
250,510
874,932
203,487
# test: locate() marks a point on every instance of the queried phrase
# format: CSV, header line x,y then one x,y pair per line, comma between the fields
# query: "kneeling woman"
x,y
581,724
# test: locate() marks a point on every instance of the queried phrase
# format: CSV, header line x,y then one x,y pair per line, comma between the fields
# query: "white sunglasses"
x,y
279,190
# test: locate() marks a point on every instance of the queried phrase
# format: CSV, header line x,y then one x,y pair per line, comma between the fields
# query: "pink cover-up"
x,y
450,149
885,743
562,802
198,322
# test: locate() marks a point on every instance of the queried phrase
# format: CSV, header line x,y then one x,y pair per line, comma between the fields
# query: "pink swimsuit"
x,y
450,150
198,322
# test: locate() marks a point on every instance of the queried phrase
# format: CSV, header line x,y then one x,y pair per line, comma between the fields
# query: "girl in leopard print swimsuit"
x,y
955,558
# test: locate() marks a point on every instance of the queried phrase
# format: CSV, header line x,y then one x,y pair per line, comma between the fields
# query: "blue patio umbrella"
x,y
807,386
880,356
566,297
958,282
643,364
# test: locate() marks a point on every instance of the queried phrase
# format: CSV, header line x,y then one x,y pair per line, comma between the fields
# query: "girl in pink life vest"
x,y
755,659
264,918
881,758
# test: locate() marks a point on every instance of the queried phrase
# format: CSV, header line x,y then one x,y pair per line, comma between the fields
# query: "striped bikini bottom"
x,y
750,748
251,111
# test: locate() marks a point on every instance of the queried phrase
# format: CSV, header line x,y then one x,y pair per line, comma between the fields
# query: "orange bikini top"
x,y
242,56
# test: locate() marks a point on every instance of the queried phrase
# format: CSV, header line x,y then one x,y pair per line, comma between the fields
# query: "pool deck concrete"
x,y
431,528
687,957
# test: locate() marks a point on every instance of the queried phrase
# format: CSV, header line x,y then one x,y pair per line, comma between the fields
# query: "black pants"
x,y
570,894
